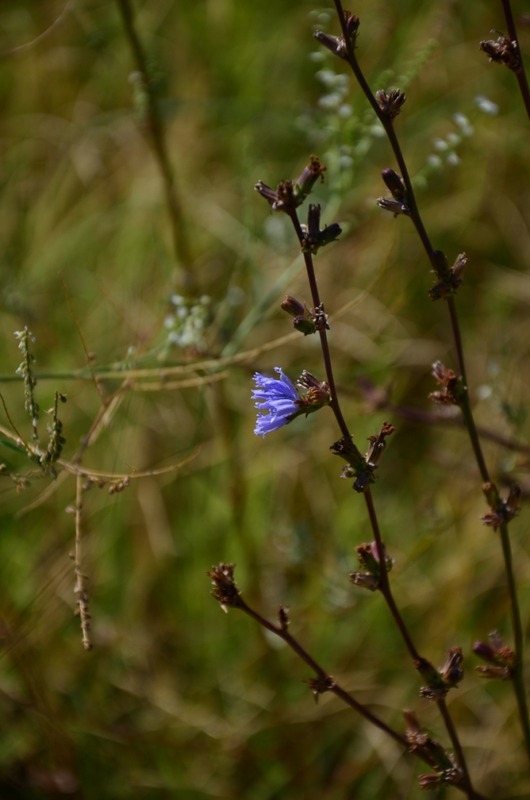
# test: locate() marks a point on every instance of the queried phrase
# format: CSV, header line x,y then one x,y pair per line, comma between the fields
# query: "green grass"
x,y
177,699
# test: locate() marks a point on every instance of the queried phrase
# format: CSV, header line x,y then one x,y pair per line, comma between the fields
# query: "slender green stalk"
x,y
155,130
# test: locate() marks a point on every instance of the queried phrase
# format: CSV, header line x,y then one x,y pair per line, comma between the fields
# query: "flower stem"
x,y
467,413
520,72
518,676
324,344
325,682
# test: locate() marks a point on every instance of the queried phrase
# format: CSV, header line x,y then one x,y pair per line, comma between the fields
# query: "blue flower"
x,y
277,398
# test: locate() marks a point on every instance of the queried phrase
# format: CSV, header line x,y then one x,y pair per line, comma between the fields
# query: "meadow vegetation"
x,y
152,298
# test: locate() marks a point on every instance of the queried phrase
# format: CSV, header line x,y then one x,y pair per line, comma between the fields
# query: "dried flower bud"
x,y
422,744
501,511
304,320
440,681
225,589
460,264
451,671
271,195
450,278
335,44
454,388
500,657
391,102
283,617
370,560
311,173
293,306
320,685
352,25
365,580
378,444
314,238
359,466
504,51
281,199
493,672
394,183
429,780
395,207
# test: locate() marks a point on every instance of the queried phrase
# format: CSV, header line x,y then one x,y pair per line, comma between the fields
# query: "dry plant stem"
x,y
386,591
459,752
315,296
518,637
321,674
518,681
155,128
80,589
385,584
419,415
520,72
465,407
330,685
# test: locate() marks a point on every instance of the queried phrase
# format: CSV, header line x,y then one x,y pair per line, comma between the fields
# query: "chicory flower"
x,y
277,398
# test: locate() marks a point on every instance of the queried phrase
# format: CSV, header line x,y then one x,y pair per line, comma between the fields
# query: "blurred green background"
x,y
177,699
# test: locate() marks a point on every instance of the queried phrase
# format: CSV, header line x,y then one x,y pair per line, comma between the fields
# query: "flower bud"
x,y
352,25
304,321
391,102
395,184
314,238
499,657
453,385
335,44
311,173
293,306
503,51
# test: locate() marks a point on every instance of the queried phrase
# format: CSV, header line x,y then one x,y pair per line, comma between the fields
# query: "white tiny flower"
x,y
330,101
486,106
434,161
462,122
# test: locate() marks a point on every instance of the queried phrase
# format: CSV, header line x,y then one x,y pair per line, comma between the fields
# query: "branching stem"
x,y
387,122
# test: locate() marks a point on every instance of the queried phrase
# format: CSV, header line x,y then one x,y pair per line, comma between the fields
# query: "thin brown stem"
x,y
387,123
325,683
324,344
386,591
384,582
384,587
455,741
518,676
520,71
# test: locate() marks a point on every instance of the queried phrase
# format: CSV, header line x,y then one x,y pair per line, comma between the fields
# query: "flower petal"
x,y
277,398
